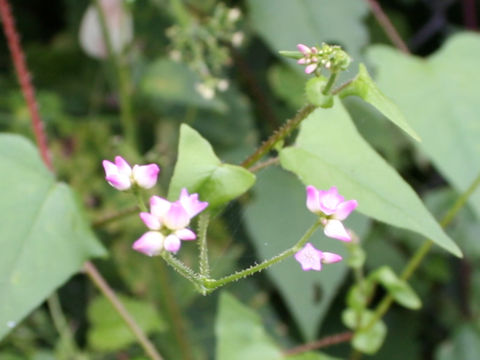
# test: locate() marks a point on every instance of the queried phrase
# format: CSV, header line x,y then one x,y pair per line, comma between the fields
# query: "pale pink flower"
x,y
170,220
332,209
309,58
311,258
122,177
119,23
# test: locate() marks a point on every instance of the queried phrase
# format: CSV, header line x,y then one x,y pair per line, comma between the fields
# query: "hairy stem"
x,y
285,130
24,79
420,254
321,343
123,82
330,83
202,233
213,284
106,290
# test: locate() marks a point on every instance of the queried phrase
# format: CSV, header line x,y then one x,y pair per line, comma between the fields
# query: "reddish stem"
x,y
24,79
322,343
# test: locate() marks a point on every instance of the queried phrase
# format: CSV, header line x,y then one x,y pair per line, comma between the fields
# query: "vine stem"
x,y
278,135
321,343
122,76
387,26
212,284
106,290
24,79
28,91
202,232
420,254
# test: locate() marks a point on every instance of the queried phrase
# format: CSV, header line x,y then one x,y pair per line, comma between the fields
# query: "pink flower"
x,y
170,221
311,258
309,58
122,177
332,208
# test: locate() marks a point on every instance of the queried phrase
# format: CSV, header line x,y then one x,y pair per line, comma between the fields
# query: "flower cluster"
x,y
332,57
332,208
167,221
122,177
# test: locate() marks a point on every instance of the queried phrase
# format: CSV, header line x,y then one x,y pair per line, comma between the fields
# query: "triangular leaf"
x,y
330,152
44,237
364,87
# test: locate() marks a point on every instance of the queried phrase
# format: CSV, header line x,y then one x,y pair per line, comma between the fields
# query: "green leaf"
x,y
397,288
364,87
108,330
314,91
367,341
44,237
465,344
310,22
330,152
308,299
200,171
172,82
240,334
439,97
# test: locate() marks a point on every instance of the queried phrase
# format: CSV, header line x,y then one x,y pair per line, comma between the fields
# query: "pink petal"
x,y
172,243
345,208
336,230
176,217
329,200
109,167
119,181
185,234
303,61
152,222
304,49
330,258
146,175
191,204
151,243
310,68
309,258
159,206
123,166
313,201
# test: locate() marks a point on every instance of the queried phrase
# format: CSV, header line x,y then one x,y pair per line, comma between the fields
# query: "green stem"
x,y
285,130
61,325
202,243
141,202
420,254
184,270
330,83
212,284
108,218
123,82
106,290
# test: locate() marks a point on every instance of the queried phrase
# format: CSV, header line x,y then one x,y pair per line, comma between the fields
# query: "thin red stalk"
x,y
387,26
322,343
24,79
28,91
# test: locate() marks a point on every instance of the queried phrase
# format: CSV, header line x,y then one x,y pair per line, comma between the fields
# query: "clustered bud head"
x,y
311,258
168,222
331,57
122,176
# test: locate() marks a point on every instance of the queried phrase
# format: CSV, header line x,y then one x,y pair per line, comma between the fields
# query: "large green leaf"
x,y
200,171
364,87
465,344
240,333
439,96
330,152
307,294
44,237
285,23
109,332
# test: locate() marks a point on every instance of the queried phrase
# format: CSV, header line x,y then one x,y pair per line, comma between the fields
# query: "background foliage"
x,y
396,178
